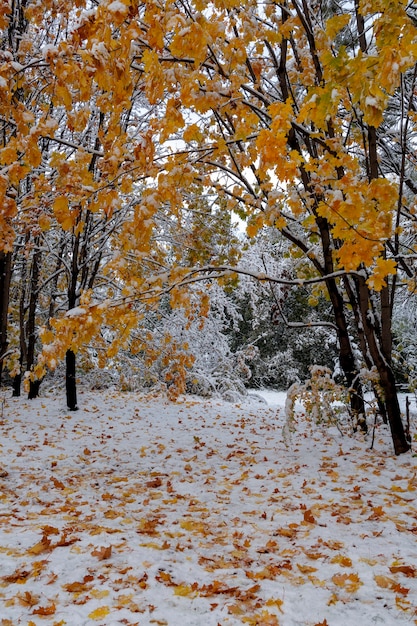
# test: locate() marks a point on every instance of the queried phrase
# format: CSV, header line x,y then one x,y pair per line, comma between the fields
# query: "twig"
x,y
407,425
373,431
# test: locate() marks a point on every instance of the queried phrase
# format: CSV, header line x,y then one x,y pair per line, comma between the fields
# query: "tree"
x,y
290,326
290,100
66,148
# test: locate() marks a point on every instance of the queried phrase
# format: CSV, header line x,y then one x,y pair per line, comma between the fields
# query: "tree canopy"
x,y
132,132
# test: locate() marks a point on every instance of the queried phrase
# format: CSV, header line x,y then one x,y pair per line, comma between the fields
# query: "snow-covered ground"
x,y
137,511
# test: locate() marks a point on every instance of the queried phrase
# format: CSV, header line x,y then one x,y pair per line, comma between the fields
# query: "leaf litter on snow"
x,y
136,510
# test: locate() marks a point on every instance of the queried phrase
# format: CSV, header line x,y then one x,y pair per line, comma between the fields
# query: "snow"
x,y
75,312
370,101
135,510
117,7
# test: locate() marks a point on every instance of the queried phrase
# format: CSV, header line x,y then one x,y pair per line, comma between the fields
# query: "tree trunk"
x,y
70,380
351,373
34,389
346,355
382,361
70,360
387,381
17,383
5,278
31,322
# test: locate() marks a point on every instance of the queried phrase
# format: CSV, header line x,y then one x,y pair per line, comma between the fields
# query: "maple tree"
x,y
289,103
296,115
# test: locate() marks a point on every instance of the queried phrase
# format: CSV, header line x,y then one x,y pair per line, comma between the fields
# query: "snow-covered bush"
x,y
324,401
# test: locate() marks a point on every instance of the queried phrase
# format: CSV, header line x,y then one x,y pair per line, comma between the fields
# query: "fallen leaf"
x,y
385,582
378,513
264,618
19,576
79,587
45,610
153,484
404,591
286,532
27,599
102,611
184,590
42,546
57,483
309,517
408,570
306,569
344,561
275,602
349,582
164,577
102,553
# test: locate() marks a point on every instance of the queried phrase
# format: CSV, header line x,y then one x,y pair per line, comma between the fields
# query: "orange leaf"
x,y
27,599
156,482
309,517
102,553
404,591
43,546
79,587
349,582
286,532
378,512
306,569
385,582
408,570
275,602
164,577
344,561
19,576
45,610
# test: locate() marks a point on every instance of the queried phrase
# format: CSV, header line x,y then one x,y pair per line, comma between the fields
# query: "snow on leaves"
x,y
145,511
124,111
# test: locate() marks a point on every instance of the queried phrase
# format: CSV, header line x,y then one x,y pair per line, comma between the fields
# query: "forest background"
x,y
138,137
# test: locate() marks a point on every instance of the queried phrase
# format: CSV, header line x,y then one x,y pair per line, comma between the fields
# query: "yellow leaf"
x,y
63,214
385,582
190,41
44,222
275,602
193,525
63,95
155,82
306,569
264,618
349,582
384,268
192,133
99,613
344,561
183,590
99,593
335,24
43,546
